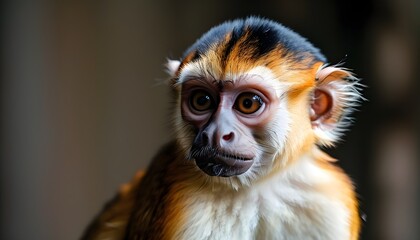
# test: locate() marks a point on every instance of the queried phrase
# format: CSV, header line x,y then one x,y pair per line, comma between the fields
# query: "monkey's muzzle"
x,y
215,162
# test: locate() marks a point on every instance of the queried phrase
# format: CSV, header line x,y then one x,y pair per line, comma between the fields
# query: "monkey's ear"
x,y
172,66
336,94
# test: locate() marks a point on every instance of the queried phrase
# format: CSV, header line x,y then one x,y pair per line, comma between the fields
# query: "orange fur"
x,y
342,189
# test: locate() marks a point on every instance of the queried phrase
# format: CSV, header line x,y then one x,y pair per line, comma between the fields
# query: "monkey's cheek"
x,y
222,167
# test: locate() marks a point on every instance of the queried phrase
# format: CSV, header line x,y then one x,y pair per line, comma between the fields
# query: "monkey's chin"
x,y
224,166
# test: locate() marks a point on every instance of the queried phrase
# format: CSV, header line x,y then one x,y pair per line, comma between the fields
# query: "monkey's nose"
x,y
228,137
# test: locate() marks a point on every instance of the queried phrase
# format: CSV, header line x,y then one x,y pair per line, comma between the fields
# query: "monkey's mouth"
x,y
215,162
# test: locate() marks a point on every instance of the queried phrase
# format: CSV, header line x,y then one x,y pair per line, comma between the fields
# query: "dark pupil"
x,y
247,103
203,100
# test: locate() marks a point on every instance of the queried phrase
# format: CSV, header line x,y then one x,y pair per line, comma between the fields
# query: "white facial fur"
x,y
271,137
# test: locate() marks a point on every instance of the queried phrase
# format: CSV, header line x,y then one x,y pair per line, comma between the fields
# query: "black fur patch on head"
x,y
262,37
236,34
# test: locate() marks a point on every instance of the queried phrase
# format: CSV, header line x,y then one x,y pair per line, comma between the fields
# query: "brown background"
x,y
84,104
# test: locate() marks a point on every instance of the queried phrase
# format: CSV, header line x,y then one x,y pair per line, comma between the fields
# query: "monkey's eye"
x,y
201,100
248,103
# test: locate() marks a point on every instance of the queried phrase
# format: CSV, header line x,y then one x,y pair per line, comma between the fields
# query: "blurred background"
x,y
84,103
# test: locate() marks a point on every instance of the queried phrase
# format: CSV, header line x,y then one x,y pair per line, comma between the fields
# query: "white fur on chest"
x,y
284,207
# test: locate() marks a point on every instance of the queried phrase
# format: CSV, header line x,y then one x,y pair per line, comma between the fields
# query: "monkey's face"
x,y
230,118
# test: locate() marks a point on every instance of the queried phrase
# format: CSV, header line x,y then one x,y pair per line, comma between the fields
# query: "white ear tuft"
x,y
172,66
342,89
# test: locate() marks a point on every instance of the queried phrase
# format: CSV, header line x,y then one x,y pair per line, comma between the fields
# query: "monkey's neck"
x,y
284,204
177,201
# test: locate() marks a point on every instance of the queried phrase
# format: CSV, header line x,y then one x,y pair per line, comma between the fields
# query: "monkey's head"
x,y
253,97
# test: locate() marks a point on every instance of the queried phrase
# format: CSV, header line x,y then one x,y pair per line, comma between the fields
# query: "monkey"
x,y
254,103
